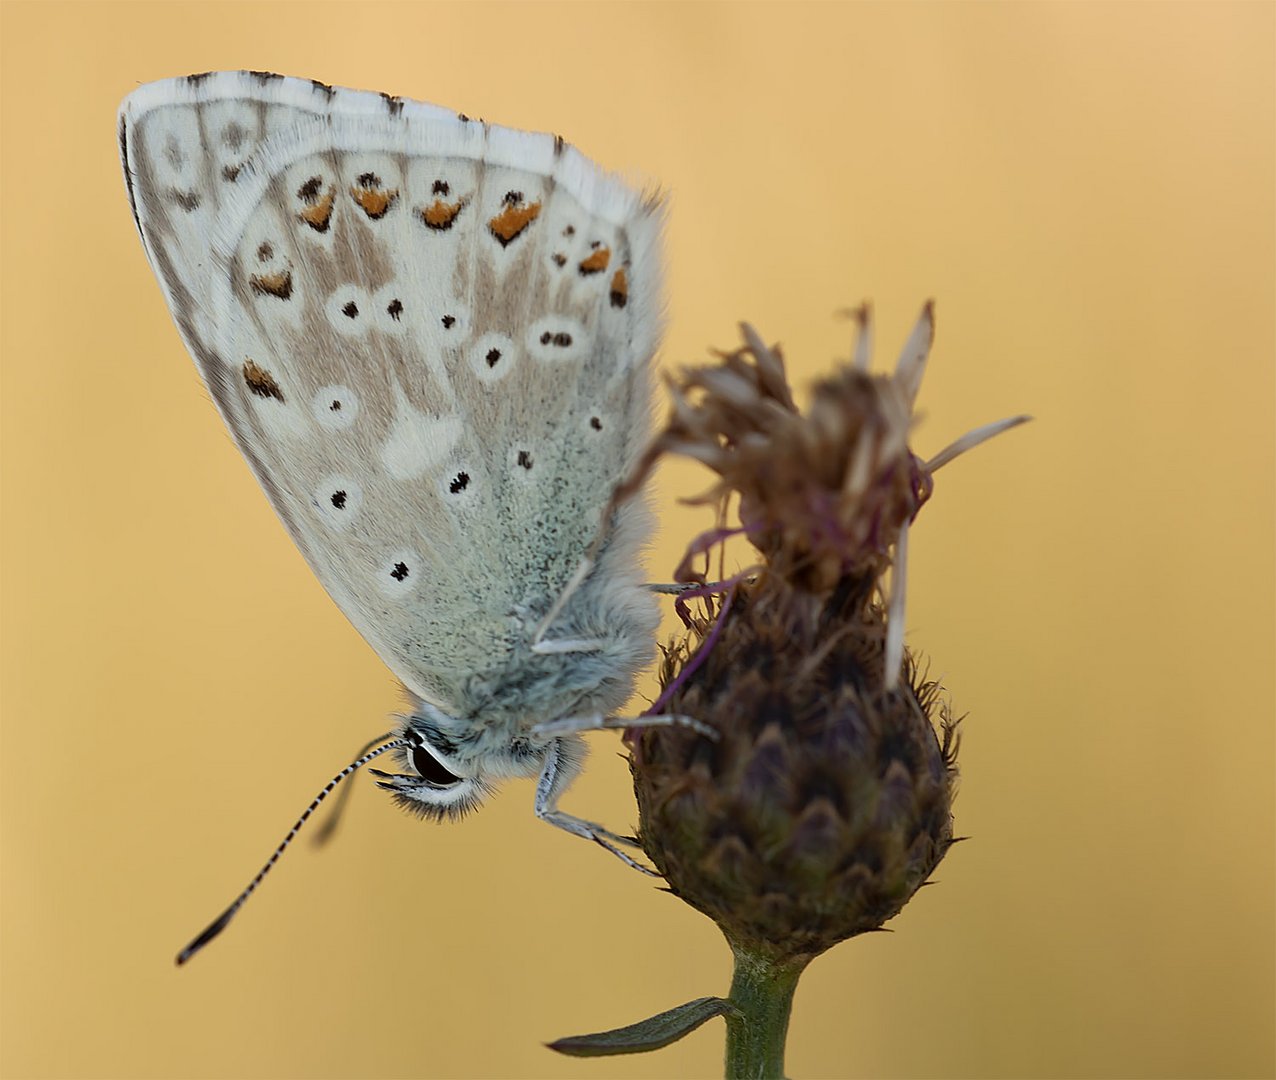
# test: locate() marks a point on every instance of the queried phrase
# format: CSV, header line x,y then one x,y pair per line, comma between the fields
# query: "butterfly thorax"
x,y
506,685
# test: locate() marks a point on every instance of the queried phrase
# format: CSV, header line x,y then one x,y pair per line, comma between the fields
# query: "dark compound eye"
x,y
432,772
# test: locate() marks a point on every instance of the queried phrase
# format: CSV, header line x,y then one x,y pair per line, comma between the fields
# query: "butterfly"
x,y
431,338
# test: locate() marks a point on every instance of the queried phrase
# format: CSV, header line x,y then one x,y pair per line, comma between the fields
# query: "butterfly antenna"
x,y
328,827
223,920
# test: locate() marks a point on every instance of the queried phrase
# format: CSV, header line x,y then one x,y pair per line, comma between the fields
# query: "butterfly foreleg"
x,y
574,725
676,588
559,770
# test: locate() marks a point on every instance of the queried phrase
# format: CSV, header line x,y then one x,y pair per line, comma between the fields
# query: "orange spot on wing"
x,y
510,223
278,284
619,288
596,263
374,201
318,214
261,382
440,215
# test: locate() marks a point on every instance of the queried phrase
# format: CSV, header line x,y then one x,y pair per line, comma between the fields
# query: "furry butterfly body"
x,y
431,338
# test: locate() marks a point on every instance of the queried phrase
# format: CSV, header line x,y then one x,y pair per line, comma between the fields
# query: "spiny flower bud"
x,y
825,800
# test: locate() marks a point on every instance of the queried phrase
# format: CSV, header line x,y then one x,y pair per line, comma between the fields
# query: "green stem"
x,y
762,990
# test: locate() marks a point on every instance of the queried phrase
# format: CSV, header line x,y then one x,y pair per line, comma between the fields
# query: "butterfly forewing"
x,y
429,337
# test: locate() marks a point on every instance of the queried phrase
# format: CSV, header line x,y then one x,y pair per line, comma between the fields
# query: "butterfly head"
x,y
431,782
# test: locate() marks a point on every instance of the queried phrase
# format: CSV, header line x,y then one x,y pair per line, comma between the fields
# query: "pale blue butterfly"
x,y
431,339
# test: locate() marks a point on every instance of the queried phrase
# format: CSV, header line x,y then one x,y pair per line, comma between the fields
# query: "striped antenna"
x,y
223,920
325,830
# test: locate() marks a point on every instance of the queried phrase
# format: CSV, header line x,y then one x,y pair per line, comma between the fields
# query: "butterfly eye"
x,y
431,770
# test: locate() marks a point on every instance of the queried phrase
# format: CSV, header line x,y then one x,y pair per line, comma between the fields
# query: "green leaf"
x,y
650,1034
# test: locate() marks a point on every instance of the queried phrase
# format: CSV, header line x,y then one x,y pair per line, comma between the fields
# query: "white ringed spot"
x,y
350,310
492,356
335,407
399,573
555,338
338,500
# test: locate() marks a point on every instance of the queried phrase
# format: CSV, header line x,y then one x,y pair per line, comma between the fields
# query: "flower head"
x,y
825,800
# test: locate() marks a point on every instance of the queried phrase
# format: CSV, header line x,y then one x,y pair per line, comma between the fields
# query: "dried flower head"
x,y
821,495
825,800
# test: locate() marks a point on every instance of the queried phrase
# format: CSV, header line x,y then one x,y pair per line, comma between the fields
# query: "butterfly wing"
x,y
429,337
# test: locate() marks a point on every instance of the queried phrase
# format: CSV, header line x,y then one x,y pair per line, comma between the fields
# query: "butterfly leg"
x,y
574,725
557,773
674,588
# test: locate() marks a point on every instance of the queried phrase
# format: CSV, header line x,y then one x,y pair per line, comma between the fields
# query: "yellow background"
x,y
1088,192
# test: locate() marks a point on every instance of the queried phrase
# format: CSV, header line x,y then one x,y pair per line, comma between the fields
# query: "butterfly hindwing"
x,y
430,338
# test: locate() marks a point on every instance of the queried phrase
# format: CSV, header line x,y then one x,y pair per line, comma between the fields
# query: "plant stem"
x,y
762,989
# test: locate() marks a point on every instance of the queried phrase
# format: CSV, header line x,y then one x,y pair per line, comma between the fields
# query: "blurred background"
x,y
1088,192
